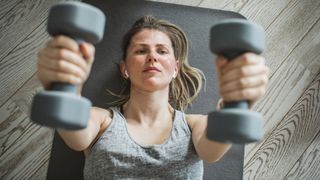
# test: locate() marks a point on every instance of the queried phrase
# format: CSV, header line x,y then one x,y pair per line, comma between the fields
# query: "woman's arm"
x,y
244,78
209,151
64,60
80,140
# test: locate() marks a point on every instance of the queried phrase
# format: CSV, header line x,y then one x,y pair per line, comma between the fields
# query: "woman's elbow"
x,y
211,160
77,146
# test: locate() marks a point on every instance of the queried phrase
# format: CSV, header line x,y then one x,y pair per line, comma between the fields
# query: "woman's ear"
x,y
123,70
176,69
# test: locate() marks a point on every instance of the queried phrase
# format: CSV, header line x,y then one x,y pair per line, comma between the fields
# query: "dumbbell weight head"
x,y
235,123
77,20
61,107
233,37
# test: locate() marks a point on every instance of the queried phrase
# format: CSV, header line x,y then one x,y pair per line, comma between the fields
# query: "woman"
x,y
147,135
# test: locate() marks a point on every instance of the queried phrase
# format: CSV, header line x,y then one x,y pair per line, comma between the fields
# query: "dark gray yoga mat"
x,y
196,22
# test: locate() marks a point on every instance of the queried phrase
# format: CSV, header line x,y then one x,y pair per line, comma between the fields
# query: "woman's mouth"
x,y
151,69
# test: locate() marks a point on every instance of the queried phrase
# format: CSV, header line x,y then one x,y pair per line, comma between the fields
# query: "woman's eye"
x,y
163,51
140,51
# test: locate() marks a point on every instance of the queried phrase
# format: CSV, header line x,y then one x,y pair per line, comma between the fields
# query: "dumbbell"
x,y
235,123
60,106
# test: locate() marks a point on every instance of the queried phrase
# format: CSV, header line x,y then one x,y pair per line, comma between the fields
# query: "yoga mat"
x,y
196,22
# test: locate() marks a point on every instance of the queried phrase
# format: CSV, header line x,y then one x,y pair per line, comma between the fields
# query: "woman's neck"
x,y
148,108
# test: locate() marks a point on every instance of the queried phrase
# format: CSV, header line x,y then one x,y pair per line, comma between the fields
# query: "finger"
x,y
242,83
244,60
250,94
88,51
66,42
63,67
53,76
245,71
220,63
59,54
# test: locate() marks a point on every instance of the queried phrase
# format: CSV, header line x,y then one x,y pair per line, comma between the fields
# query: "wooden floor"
x,y
291,108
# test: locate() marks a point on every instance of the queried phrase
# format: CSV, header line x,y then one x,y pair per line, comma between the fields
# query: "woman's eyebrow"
x,y
148,45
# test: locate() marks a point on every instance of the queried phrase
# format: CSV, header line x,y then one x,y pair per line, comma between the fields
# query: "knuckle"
x,y
267,69
243,82
265,80
59,39
242,71
246,93
61,53
262,91
262,59
58,76
246,57
60,64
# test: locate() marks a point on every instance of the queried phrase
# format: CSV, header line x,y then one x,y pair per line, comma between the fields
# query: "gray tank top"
x,y
117,156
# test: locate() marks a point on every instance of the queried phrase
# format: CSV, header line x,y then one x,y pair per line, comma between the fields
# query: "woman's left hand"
x,y
243,78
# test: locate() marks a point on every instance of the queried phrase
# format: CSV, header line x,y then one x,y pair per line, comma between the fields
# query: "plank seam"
x,y
318,134
11,52
315,79
9,10
296,46
283,9
13,94
26,37
271,132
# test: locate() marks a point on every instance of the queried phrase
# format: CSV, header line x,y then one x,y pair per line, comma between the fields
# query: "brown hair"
x,y
188,83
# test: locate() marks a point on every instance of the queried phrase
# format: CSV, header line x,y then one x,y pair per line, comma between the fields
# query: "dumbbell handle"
x,y
62,86
235,104
65,87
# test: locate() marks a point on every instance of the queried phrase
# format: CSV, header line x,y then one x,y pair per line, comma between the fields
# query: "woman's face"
x,y
150,61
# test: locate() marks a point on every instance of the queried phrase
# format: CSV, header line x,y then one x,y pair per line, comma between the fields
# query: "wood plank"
x,y
307,166
25,147
180,2
286,31
20,64
20,22
42,172
227,5
288,82
264,12
289,139
33,162
27,155
15,122
7,6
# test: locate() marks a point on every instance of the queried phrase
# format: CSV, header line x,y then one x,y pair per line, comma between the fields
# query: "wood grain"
x,y
288,82
264,12
307,166
20,22
181,2
286,31
25,147
289,139
20,64
290,149
7,6
228,5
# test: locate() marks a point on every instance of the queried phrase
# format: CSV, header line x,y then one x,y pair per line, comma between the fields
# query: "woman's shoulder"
x,y
102,115
102,112
194,119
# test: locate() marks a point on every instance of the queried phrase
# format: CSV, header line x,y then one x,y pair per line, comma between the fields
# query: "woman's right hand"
x,y
64,60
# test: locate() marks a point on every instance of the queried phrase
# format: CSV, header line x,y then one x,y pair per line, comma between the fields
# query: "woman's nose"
x,y
152,57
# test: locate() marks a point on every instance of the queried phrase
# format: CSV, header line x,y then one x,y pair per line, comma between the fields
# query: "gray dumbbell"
x,y
235,123
61,107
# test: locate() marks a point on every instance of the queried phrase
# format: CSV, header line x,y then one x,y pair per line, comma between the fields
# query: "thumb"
x,y
87,51
221,62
